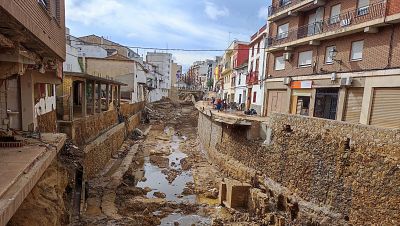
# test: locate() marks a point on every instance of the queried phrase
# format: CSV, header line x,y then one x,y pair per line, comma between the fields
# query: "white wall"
x,y
71,63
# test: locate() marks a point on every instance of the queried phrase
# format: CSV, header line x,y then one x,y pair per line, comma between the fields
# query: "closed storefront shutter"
x,y
385,110
353,105
276,101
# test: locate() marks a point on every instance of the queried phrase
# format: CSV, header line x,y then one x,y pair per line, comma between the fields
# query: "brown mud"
x,y
168,180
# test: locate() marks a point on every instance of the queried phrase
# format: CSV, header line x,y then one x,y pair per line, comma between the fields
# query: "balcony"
x,y
252,78
284,8
350,21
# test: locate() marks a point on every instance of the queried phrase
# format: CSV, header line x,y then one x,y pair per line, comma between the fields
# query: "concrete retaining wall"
x,y
332,171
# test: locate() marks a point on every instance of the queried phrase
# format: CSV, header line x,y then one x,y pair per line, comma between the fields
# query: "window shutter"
x,y
283,31
305,58
279,63
363,3
357,50
328,54
335,14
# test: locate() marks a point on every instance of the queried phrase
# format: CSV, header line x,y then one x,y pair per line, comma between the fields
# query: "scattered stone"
x,y
159,161
212,193
144,179
160,195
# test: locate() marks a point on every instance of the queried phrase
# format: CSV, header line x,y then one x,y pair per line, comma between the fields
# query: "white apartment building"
x,y
163,63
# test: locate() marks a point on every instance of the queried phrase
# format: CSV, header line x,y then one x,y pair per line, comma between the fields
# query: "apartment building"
x,y
335,59
235,55
163,63
256,71
240,80
32,43
111,47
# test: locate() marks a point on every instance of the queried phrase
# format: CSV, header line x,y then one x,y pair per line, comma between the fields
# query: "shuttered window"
x,y
385,111
329,54
335,14
357,50
353,105
305,59
283,31
363,7
279,63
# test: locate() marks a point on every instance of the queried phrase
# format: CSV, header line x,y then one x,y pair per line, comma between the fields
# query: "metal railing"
x,y
347,19
252,78
281,5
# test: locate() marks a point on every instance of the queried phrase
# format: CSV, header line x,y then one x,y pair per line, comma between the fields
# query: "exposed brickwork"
x,y
356,179
47,123
393,7
375,54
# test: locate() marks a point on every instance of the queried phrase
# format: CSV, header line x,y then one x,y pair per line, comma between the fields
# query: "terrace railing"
x,y
350,18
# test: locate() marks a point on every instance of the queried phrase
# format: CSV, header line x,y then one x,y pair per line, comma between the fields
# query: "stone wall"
x,y
99,151
87,129
47,123
131,109
331,171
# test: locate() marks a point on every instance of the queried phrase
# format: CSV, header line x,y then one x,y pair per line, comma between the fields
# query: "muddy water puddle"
x,y
157,180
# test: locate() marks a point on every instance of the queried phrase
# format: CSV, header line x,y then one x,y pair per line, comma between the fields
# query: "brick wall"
x,y
39,22
357,180
375,54
393,7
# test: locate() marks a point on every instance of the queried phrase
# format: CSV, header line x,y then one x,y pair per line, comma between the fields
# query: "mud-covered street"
x,y
160,176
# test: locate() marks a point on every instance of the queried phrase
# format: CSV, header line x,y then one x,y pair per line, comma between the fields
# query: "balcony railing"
x,y
252,78
281,5
347,19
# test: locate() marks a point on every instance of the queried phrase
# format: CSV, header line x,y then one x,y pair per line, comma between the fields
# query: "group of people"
x,y
219,104
222,105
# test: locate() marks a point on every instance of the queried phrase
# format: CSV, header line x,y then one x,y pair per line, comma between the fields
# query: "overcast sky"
x,y
189,24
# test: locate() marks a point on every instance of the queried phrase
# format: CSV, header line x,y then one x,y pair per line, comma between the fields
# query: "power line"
x,y
164,49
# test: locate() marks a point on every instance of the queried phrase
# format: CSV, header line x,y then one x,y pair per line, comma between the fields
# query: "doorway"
x,y
326,103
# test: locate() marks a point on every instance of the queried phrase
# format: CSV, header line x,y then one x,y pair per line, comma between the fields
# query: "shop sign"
x,y
301,85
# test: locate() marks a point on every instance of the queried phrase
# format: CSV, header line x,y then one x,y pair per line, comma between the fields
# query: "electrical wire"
x,y
163,49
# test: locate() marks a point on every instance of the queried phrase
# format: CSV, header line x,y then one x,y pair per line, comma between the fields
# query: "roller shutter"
x,y
385,110
353,105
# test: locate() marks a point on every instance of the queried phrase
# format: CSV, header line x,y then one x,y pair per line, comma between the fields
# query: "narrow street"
x,y
168,180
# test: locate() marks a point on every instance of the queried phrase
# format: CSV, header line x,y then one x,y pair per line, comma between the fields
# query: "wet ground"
x,y
167,179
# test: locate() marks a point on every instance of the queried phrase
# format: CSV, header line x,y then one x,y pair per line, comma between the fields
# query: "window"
x,y
335,14
284,2
329,54
279,63
258,48
44,3
257,65
283,31
254,97
252,51
363,7
305,59
50,90
357,50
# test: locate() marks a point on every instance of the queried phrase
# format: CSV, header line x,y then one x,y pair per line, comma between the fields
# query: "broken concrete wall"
x,y
340,171
49,201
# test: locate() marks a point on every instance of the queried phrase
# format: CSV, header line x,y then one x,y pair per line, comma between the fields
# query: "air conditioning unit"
x,y
333,76
346,81
287,81
345,22
287,56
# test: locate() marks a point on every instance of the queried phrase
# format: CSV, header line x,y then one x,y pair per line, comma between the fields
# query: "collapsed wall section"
x,y
335,171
